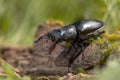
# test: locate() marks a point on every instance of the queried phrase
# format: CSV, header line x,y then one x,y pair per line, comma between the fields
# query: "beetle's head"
x,y
54,35
90,26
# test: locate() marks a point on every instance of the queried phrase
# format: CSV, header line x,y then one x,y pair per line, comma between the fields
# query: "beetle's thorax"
x,y
54,35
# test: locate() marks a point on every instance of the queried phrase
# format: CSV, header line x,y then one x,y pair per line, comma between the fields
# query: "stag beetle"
x,y
75,33
72,32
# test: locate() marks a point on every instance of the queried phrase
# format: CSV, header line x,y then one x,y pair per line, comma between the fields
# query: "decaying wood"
x,y
48,72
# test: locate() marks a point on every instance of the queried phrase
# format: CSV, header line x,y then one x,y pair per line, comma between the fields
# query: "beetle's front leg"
x,y
52,47
82,49
50,59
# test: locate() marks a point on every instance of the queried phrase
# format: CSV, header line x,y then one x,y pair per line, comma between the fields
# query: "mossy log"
x,y
96,54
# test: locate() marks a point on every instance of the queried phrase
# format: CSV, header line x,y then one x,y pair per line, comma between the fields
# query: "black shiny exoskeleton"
x,y
75,33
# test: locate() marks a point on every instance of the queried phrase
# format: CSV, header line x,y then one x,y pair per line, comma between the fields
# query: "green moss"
x,y
113,37
100,41
80,70
108,45
110,48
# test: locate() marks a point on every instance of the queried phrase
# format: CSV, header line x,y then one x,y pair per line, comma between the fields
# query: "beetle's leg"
x,y
80,51
50,60
82,48
62,45
99,33
47,40
94,36
69,59
73,57
52,47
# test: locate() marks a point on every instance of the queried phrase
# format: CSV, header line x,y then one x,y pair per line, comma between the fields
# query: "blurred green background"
x,y
19,18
